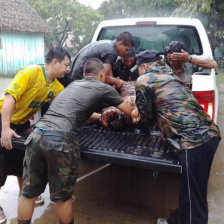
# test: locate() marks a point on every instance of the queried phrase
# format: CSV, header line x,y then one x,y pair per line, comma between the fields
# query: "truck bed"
x,y
130,148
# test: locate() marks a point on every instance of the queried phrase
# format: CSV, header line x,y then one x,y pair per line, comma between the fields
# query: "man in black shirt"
x,y
52,153
105,50
123,65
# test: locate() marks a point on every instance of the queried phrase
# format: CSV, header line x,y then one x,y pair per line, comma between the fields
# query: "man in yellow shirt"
x,y
32,87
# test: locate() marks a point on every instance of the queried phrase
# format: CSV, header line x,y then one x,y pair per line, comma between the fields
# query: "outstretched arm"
x,y
95,116
112,113
126,108
185,57
109,79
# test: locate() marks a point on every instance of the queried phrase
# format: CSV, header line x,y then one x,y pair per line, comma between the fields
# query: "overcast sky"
x,y
93,3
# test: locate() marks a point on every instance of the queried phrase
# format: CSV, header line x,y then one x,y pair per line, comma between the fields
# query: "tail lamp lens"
x,y
207,100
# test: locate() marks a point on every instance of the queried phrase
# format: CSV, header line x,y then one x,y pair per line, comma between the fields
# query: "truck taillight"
x,y
149,23
207,100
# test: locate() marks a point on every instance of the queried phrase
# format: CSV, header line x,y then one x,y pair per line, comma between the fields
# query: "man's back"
x,y
105,50
178,113
73,106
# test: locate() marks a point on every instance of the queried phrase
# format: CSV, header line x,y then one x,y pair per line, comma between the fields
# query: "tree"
x,y
72,23
136,8
214,23
210,12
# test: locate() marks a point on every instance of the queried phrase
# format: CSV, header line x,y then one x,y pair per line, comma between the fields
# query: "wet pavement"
x,y
123,195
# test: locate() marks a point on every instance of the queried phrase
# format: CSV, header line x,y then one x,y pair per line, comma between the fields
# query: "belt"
x,y
46,132
61,140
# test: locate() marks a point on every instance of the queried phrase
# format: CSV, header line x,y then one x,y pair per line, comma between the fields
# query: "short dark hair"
x,y
174,46
58,53
126,38
93,66
131,53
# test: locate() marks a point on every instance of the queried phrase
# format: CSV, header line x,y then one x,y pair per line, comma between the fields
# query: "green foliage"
x,y
69,21
136,8
189,7
220,76
72,21
210,12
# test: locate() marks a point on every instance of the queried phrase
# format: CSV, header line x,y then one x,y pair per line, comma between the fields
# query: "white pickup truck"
x,y
132,146
156,33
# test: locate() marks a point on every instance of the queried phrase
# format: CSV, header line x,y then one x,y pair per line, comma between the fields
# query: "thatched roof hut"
x,y
18,15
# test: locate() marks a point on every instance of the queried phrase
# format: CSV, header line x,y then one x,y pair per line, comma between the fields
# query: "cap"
x,y
146,57
174,46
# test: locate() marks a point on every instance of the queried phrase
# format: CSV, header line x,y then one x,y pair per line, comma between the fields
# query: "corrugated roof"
x,y
18,15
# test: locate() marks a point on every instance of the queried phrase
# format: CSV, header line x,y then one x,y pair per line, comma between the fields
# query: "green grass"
x,y
220,76
7,76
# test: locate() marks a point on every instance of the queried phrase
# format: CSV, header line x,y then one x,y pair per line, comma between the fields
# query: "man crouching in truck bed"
x,y
52,153
192,135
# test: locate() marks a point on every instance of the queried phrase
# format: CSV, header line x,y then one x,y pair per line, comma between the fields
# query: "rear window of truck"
x,y
156,37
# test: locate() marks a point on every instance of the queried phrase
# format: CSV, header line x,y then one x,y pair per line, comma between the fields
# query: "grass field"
x,y
220,76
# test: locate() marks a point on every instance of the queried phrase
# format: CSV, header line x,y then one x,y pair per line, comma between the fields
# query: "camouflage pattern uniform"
x,y
192,135
186,76
181,119
51,156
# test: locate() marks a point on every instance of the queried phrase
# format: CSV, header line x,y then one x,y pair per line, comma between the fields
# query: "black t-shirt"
x,y
75,104
124,72
105,50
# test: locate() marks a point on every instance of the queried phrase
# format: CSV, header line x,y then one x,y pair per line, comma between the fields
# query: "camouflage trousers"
x,y
51,157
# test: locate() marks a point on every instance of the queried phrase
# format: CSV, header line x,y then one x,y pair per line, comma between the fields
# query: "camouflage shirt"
x,y
163,98
186,75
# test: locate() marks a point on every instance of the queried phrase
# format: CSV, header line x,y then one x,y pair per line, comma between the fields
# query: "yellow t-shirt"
x,y
31,91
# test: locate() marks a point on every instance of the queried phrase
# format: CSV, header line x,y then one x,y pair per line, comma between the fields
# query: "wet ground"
x,y
122,195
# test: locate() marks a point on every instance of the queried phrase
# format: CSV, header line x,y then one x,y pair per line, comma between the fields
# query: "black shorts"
x,y
11,161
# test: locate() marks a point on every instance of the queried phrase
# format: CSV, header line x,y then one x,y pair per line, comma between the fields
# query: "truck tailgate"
x,y
128,148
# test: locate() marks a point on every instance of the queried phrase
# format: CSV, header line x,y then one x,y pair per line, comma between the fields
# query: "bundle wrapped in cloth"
x,y
113,117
